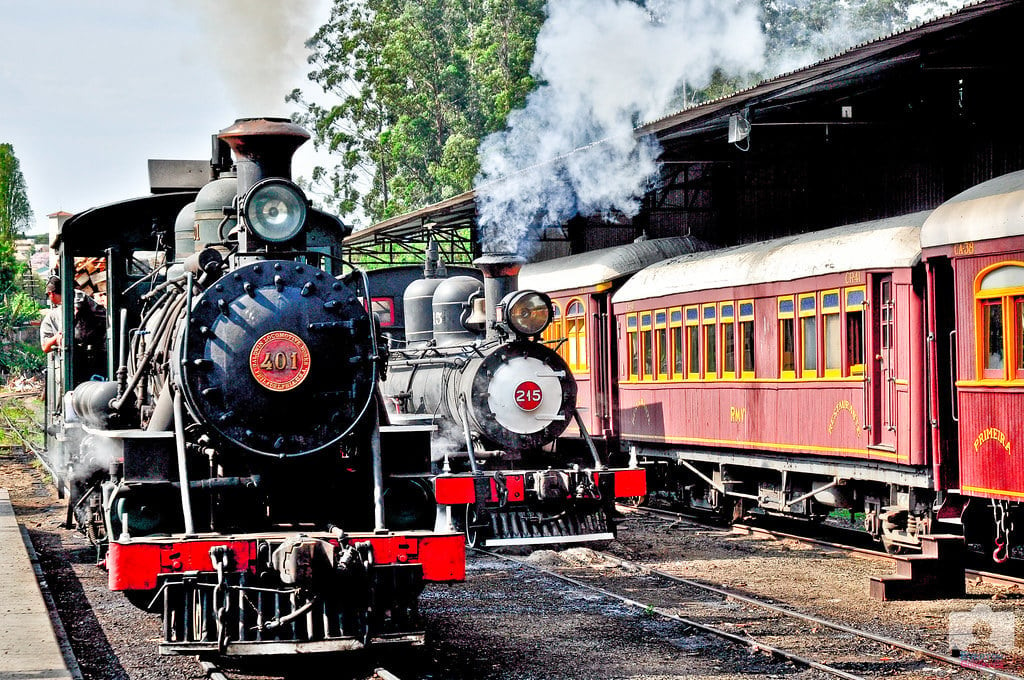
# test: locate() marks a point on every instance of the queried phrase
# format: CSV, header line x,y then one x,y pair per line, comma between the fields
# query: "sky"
x,y
92,89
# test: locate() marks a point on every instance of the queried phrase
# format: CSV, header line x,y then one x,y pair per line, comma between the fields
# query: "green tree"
x,y
17,309
409,89
15,211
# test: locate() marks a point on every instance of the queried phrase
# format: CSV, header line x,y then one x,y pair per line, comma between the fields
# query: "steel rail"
x,y
891,642
732,637
211,670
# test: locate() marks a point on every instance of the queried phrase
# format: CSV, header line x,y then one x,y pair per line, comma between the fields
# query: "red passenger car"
x,y
786,374
973,246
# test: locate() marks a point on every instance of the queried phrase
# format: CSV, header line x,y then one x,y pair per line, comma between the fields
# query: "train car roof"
x,y
893,242
602,266
992,209
129,221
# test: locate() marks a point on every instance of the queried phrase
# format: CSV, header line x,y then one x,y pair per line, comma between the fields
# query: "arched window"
x,y
553,333
576,332
999,320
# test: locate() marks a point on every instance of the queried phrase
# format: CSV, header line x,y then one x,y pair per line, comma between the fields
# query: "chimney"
x,y
263,148
501,277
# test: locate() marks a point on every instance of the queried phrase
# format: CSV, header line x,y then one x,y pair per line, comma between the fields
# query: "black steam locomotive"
x,y
230,465
467,365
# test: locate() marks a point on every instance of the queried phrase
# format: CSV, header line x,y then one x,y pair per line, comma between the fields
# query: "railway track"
x,y
212,671
973,575
805,640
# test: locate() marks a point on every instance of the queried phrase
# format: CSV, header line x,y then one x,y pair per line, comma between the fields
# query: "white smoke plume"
x,y
259,48
604,66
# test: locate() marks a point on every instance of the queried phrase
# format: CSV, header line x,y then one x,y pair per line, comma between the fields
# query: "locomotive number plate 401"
x,y
528,395
279,361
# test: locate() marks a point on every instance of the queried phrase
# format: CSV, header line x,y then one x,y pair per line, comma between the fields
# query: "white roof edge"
x,y
893,242
604,265
992,209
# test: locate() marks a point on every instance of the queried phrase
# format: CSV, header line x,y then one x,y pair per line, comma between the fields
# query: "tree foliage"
x,y
17,310
15,211
409,88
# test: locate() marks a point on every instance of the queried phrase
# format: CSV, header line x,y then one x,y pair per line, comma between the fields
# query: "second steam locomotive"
x,y
468,370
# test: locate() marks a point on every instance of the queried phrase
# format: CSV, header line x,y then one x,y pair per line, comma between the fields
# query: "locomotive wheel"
x,y
472,526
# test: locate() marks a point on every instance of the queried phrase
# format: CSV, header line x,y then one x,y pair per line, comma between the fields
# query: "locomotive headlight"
x,y
275,209
527,312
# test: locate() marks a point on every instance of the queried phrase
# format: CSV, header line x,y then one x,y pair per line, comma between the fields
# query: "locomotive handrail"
x,y
179,437
464,412
598,463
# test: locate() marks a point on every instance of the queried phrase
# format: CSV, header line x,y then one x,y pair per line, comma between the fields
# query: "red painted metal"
x,y
136,565
761,414
454,489
630,483
991,432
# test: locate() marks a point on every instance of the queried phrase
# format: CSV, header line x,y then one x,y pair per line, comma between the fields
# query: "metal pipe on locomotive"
x,y
471,370
232,473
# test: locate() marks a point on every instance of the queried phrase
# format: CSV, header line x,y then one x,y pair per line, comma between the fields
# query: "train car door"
x,y
885,373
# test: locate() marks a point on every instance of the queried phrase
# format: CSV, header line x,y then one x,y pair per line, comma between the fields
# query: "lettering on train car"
x,y
844,405
965,248
992,434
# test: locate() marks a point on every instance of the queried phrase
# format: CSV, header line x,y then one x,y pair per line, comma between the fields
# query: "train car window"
x,y
692,343
553,333
808,336
832,330
999,321
746,330
992,337
632,341
647,345
385,310
855,331
576,332
675,323
787,336
143,262
661,340
727,319
708,318
887,318
1018,332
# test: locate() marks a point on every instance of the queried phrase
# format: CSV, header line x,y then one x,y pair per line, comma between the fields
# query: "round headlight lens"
x,y
528,312
275,210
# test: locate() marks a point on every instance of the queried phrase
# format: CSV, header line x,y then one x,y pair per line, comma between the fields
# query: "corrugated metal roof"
x,y
819,75
604,265
992,209
892,242
457,211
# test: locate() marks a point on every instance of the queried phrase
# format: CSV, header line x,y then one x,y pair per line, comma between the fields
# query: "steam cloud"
x,y
259,47
605,67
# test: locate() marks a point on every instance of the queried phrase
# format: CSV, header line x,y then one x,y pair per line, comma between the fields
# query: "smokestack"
x,y
263,148
501,277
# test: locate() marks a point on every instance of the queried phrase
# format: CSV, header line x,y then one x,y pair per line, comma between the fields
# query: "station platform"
x,y
29,645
